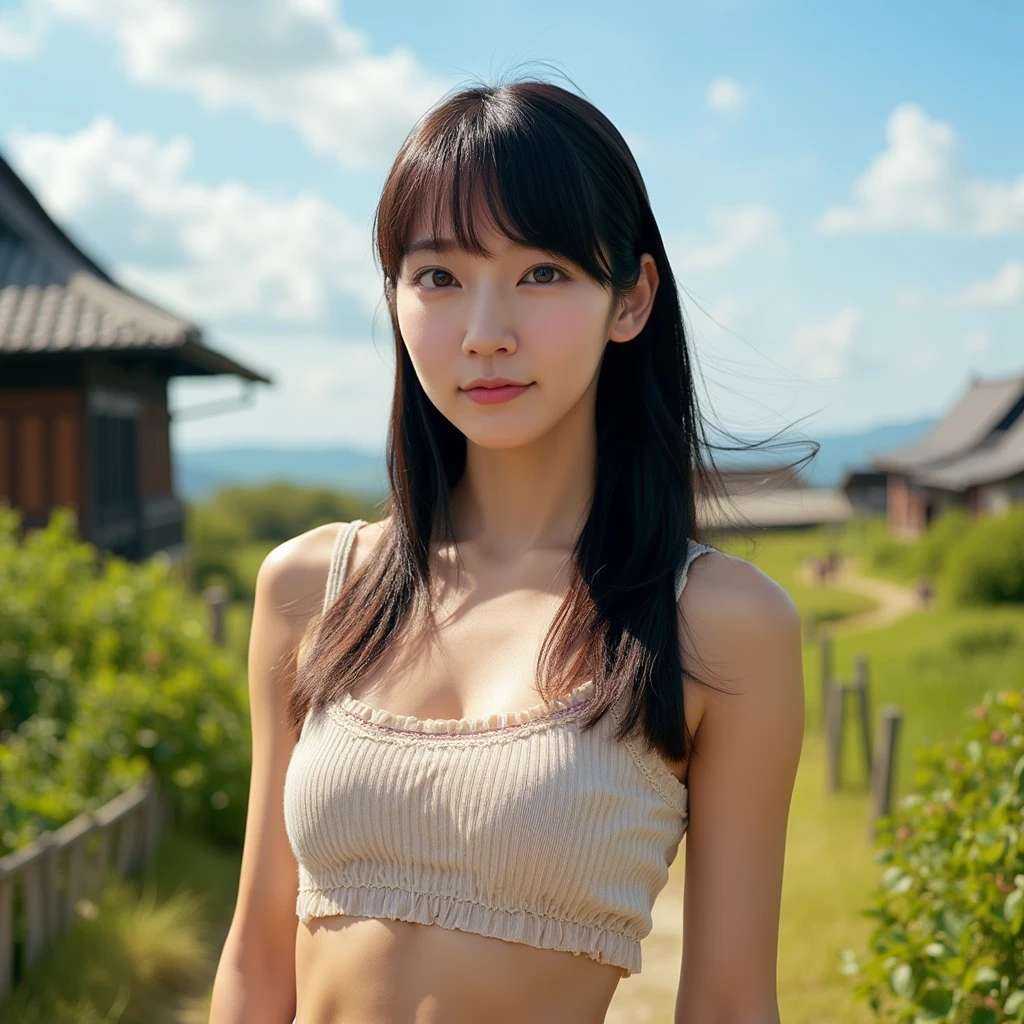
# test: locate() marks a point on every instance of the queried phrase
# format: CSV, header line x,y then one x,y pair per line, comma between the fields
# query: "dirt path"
x,y
894,601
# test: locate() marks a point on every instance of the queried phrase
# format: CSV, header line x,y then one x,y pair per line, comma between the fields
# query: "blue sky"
x,y
840,187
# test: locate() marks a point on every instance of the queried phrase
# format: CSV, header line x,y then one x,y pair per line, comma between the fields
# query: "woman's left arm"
x,y
746,636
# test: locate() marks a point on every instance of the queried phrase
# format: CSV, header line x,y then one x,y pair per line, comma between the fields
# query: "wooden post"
x,y
101,860
863,704
215,597
48,879
6,935
826,674
32,881
835,720
884,768
67,842
151,822
74,887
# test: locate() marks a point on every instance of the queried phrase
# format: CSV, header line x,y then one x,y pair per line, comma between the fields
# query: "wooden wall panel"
x,y
66,461
30,459
6,482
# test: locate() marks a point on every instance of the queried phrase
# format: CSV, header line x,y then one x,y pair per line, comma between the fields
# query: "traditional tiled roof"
x,y
999,458
978,413
55,299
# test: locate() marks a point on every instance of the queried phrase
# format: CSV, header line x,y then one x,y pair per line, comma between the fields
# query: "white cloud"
x,y
1005,289
822,349
21,33
977,341
726,96
291,62
327,389
735,231
204,251
921,182
909,298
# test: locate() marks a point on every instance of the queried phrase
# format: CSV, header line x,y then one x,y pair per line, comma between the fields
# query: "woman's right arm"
x,y
255,981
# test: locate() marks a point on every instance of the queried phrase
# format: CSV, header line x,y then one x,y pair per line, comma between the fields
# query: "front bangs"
x,y
526,179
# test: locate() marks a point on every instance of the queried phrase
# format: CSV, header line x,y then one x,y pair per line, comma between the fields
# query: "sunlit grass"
x,y
144,952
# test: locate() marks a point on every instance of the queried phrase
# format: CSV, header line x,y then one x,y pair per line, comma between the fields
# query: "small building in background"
x,y
84,366
865,489
973,458
771,498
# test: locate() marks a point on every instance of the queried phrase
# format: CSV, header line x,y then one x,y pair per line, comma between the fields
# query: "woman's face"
x,y
525,315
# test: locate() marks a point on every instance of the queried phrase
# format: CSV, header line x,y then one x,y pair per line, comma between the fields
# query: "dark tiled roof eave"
x,y
973,417
1000,461
54,299
44,307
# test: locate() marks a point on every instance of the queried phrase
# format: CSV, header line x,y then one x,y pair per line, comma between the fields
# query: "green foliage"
x,y
889,555
948,944
928,556
987,566
107,672
971,561
229,535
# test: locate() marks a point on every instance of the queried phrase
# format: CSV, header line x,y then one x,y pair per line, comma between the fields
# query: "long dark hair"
x,y
555,174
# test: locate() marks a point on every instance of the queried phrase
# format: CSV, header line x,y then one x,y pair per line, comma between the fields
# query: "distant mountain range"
x,y
200,472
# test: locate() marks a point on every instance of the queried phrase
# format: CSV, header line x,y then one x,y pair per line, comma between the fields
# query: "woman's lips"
x,y
490,396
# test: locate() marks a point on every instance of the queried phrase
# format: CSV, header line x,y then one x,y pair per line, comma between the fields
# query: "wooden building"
x,y
84,366
972,458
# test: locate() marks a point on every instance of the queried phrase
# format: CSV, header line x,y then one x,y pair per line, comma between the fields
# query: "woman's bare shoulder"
x,y
733,611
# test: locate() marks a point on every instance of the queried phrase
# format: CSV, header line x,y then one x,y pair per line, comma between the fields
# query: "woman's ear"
x,y
635,307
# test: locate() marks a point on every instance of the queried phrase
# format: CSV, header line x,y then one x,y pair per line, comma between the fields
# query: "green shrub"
x,y
928,555
224,531
987,566
107,671
889,555
949,939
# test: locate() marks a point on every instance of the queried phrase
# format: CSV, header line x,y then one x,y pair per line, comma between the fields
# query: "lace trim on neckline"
x,y
499,720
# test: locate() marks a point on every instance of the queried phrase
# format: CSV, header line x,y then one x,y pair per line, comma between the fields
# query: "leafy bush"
x,y
927,557
987,566
223,531
107,671
949,942
888,554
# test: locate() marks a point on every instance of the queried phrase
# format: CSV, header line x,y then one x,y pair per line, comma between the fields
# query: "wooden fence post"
x,y
34,894
216,596
860,689
835,722
77,833
883,769
826,674
6,934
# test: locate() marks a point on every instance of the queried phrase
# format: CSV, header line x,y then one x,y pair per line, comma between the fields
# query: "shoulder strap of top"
x,y
695,548
339,559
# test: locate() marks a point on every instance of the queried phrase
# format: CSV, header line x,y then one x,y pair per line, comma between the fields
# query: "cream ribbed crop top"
x,y
516,826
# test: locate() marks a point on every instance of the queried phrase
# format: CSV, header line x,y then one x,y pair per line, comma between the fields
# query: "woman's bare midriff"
x,y
358,970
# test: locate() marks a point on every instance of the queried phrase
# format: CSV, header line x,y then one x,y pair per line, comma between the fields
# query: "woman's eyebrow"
x,y
431,245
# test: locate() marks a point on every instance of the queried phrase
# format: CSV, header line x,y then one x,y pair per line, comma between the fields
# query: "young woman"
x,y
478,739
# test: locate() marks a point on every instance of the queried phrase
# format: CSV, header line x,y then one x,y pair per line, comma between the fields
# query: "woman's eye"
x,y
545,270
432,271
446,277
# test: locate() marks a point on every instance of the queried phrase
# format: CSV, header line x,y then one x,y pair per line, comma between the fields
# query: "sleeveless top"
x,y
515,826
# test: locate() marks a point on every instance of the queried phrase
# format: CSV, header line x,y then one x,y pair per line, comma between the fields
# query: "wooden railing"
x,y
879,760
58,869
